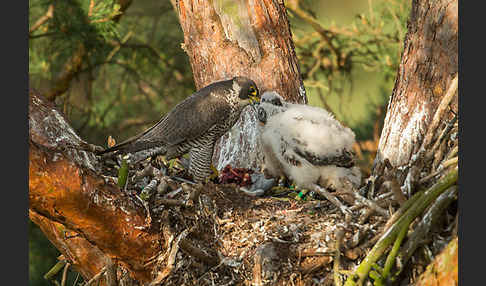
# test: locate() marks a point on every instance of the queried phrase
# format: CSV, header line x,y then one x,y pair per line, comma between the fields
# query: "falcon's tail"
x,y
131,145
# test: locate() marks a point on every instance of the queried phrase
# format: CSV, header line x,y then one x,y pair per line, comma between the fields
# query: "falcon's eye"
x,y
252,91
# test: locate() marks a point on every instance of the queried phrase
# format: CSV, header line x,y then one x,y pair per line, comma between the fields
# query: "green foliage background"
x,y
133,68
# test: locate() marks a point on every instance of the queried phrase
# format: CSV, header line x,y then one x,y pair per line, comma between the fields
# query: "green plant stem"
x,y
389,236
123,174
54,270
390,260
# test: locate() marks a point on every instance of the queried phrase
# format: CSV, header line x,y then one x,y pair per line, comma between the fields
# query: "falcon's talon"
x,y
172,163
214,174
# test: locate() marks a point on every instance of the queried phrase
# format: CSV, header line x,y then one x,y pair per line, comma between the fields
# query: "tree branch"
x,y
64,189
43,19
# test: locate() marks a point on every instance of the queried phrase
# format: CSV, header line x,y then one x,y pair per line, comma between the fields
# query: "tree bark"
x,y
252,38
68,197
428,66
417,141
444,269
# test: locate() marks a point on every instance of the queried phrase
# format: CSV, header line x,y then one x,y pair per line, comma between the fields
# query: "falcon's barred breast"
x,y
306,144
195,124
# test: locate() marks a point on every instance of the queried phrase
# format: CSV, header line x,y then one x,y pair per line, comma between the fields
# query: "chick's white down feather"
x,y
292,130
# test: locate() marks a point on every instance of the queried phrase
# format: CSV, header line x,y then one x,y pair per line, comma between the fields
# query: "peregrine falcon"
x,y
305,144
195,124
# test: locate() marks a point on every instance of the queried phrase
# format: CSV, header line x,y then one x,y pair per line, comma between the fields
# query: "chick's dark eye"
x,y
276,101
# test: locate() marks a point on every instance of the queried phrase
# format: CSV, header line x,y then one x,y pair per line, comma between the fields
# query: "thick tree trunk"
x,y
252,38
428,67
419,137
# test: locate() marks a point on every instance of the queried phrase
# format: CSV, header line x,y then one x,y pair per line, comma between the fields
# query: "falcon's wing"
x,y
191,118
188,120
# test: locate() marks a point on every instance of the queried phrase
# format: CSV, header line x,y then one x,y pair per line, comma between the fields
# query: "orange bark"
x,y
64,195
258,45
86,258
443,271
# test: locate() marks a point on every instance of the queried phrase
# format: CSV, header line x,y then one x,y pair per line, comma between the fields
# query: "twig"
x,y
449,126
294,6
337,257
371,204
76,280
453,152
111,274
332,199
64,274
170,260
43,19
390,259
190,249
265,264
118,46
54,270
437,119
169,202
450,162
91,5
96,277
402,210
430,176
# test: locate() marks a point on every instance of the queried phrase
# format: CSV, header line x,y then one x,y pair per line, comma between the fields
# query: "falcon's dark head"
x,y
247,90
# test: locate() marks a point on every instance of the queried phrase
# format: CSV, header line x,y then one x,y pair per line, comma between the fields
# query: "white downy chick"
x,y
306,144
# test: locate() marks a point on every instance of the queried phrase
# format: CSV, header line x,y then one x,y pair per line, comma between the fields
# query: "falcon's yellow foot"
x,y
214,175
175,163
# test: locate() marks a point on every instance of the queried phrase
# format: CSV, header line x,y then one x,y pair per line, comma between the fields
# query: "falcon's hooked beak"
x,y
254,97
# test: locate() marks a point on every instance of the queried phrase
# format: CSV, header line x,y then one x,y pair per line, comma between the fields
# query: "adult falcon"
x,y
194,125
305,144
